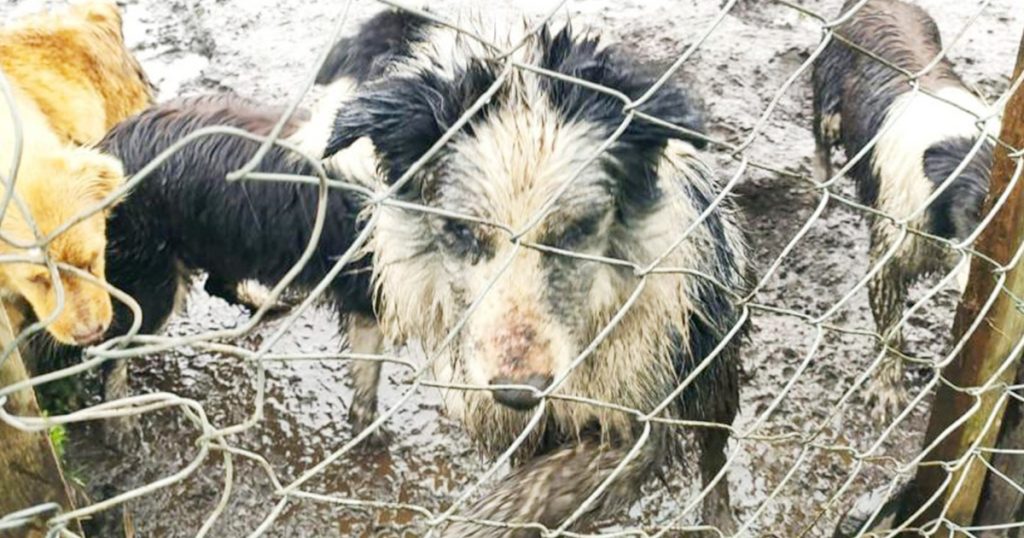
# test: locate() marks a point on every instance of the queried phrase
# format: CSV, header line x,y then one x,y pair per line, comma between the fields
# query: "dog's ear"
x,y
676,107
587,58
403,117
398,119
102,12
97,175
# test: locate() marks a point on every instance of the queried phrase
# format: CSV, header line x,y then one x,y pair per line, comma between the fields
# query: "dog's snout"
x,y
521,399
89,334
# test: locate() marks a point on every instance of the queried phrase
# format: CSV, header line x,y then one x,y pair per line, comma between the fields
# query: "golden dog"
x,y
71,79
74,64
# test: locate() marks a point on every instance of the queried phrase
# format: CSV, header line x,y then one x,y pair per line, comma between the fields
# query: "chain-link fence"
x,y
805,449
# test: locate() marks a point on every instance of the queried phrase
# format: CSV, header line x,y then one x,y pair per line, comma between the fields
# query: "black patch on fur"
x,y
387,36
185,216
861,90
714,394
957,211
638,150
406,114
614,68
725,258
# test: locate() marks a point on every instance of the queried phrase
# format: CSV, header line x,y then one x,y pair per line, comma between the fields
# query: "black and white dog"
x,y
649,196
185,217
536,310
922,140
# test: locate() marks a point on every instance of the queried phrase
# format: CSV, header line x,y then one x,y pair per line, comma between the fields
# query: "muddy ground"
x,y
265,48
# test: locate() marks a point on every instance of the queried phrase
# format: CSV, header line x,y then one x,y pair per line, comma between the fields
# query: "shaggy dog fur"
x,y
922,143
185,217
634,203
75,66
71,78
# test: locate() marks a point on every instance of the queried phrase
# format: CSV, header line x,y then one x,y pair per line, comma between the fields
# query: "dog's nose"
x,y
89,335
520,399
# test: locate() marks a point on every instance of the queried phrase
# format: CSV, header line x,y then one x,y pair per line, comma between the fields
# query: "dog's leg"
x,y
550,488
717,509
364,337
822,162
249,294
120,432
887,293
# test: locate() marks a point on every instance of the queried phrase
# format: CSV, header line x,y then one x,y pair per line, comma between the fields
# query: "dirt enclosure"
x,y
780,480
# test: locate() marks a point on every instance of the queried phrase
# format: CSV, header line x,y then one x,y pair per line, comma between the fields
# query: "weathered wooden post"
x,y
1001,502
30,473
985,353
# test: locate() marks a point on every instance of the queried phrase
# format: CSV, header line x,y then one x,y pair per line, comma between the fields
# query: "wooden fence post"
x,y
30,472
984,353
1000,501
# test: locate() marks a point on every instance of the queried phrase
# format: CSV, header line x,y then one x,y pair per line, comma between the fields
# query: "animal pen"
x,y
951,462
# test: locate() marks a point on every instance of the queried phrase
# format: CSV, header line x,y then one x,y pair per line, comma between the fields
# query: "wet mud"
x,y
265,49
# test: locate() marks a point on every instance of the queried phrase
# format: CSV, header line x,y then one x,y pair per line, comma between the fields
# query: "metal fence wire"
x,y
804,442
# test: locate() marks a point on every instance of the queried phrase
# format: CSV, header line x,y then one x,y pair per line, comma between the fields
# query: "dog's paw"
x,y
886,395
721,517
360,417
123,434
253,295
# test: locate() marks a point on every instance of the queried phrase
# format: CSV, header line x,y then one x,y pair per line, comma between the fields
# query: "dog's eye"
x,y
576,234
461,238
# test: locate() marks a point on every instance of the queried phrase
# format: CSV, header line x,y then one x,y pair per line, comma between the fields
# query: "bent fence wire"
x,y
215,440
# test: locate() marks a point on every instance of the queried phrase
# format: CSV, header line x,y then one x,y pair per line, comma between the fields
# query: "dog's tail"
x,y
387,36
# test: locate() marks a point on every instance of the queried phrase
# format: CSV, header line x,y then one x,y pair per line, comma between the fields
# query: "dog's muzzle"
x,y
520,399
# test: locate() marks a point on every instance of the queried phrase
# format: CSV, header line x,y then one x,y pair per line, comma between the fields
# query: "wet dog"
x,y
922,139
74,65
70,78
517,221
185,217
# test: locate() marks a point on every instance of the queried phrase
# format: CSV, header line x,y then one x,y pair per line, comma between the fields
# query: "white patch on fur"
x,y
313,136
914,123
253,292
357,164
830,126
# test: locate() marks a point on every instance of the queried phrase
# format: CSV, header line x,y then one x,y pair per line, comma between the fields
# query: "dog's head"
x,y
56,188
545,194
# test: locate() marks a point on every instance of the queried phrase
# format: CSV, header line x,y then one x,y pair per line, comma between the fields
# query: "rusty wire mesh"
x,y
808,439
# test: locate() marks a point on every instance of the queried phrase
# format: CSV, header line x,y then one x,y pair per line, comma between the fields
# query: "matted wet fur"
x,y
74,64
633,203
923,140
185,217
51,62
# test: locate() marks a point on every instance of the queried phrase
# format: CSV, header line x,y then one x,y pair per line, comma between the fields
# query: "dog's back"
x,y
233,230
858,98
76,68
